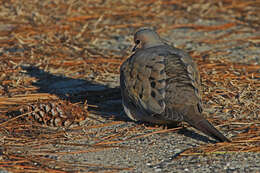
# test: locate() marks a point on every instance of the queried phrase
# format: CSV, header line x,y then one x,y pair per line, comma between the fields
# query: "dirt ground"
x,y
60,103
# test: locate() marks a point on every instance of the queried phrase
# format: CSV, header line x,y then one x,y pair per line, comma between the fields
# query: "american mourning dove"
x,y
161,84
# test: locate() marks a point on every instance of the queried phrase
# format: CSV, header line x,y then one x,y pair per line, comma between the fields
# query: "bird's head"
x,y
146,38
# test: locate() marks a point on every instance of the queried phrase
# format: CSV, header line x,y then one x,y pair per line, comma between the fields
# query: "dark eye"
x,y
137,41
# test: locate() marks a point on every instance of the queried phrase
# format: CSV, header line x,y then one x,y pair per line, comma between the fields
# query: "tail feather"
x,y
199,122
206,127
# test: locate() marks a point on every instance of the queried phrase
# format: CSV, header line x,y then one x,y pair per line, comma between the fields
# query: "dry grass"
x,y
43,42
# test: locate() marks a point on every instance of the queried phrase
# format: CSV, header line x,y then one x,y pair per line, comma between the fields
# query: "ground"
x,y
60,103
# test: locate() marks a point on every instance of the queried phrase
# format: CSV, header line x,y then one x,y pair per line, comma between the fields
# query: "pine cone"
x,y
55,114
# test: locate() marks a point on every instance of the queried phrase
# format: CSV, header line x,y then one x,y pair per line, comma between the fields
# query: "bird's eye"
x,y
136,44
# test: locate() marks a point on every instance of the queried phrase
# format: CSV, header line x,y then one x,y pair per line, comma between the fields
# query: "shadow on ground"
x,y
107,100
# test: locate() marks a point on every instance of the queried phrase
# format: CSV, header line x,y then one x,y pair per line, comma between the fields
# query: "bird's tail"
x,y
199,122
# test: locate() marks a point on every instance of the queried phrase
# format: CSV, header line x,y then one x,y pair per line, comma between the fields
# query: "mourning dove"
x,y
161,84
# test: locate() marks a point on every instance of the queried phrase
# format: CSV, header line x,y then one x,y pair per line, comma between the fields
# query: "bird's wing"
x,y
143,78
183,85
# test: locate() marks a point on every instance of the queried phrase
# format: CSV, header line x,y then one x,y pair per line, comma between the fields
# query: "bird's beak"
x,y
134,49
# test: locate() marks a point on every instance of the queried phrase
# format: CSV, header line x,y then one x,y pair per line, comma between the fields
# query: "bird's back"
x,y
162,81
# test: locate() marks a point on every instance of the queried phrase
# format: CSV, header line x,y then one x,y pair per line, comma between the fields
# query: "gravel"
x,y
151,153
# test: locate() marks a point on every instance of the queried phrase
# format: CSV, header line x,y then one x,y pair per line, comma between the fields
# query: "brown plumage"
x,y
161,84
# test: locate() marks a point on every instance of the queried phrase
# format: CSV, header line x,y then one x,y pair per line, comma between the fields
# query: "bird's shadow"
x,y
107,99
186,132
191,134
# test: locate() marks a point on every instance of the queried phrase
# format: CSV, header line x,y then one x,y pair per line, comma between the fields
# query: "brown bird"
x,y
161,84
